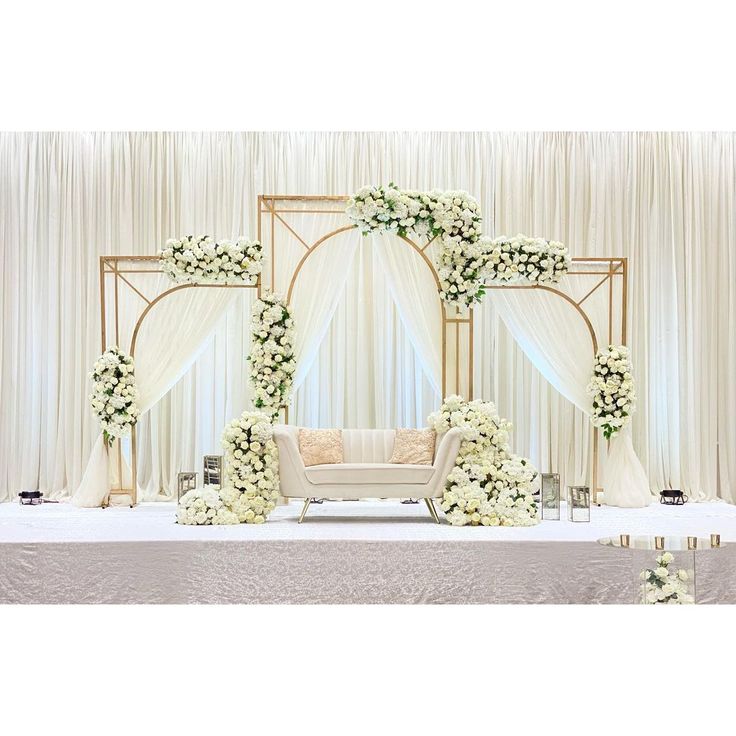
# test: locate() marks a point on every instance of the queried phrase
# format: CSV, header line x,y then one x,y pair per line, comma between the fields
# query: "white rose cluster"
x,y
202,260
489,485
520,258
453,217
114,393
202,506
272,361
662,585
612,389
251,467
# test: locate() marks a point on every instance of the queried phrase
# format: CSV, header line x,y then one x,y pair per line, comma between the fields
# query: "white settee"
x,y
365,471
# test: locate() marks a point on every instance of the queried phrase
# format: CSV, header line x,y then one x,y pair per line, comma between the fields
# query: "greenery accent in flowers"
x,y
530,260
201,260
662,585
251,467
488,485
612,390
271,354
114,393
452,216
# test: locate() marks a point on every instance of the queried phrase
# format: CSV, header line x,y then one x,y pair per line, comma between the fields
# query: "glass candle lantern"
x,y
185,482
550,496
578,503
212,470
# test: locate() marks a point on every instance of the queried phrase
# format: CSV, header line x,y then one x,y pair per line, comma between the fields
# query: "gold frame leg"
x,y
432,509
307,501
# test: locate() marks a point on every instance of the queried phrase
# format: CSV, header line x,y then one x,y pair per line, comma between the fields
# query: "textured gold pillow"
x,y
413,447
320,446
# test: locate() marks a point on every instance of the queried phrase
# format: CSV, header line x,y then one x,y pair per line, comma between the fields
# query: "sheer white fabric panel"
x,y
367,373
666,201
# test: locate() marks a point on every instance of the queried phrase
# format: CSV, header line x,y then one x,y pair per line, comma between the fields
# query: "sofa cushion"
x,y
413,447
320,446
369,473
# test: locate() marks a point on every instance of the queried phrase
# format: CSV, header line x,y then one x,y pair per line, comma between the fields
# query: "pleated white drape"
x,y
554,337
665,201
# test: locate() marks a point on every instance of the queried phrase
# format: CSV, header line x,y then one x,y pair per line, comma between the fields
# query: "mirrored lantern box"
x,y
185,482
212,470
550,497
578,503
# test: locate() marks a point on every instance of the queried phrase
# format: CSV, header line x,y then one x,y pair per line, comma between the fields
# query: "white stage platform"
x,y
345,552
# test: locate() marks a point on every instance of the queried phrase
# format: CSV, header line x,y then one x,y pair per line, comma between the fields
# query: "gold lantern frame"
x,y
117,273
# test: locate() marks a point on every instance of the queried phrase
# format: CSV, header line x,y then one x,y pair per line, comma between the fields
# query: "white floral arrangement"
x,y
251,467
529,260
202,506
272,361
452,216
114,393
612,390
489,485
202,260
662,585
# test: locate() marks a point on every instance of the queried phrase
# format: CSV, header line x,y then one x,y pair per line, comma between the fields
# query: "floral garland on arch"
x,y
114,393
454,217
532,260
251,467
612,389
271,354
488,485
201,260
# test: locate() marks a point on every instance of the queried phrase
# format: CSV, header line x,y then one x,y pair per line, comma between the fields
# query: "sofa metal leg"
x,y
307,501
432,509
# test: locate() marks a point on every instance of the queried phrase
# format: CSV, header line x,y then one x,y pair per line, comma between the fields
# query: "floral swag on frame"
x,y
466,259
271,354
612,390
202,260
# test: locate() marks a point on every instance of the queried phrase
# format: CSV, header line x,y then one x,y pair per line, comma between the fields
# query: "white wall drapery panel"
x,y
666,201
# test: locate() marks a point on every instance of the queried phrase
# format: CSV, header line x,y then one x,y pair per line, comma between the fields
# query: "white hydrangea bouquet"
x,y
272,361
251,467
612,390
202,506
662,585
452,216
114,394
531,260
201,260
488,485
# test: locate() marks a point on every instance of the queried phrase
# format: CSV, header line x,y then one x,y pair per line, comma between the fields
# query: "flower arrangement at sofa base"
x,y
272,361
663,585
202,260
114,393
489,485
612,389
251,485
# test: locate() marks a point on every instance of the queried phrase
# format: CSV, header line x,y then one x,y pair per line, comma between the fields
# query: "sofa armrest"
x,y
292,475
445,458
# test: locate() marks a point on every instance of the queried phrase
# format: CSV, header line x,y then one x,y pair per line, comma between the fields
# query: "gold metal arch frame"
x,y
597,276
118,274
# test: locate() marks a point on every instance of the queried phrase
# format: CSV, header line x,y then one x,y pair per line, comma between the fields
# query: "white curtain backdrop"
x,y
665,201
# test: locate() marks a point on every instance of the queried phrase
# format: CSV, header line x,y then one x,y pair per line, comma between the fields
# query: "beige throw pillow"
x,y
413,447
320,446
